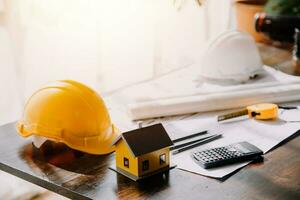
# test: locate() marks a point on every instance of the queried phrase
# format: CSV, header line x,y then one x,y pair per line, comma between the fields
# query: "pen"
x,y
196,144
189,136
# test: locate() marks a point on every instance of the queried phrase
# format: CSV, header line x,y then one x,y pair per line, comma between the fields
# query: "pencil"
x,y
189,136
196,144
198,139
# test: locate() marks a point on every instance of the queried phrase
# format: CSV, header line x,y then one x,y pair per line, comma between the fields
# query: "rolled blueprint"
x,y
214,101
183,92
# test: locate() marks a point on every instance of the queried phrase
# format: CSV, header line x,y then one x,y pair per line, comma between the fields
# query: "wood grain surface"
x,y
81,176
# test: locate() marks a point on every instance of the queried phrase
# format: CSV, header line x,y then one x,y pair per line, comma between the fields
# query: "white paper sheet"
x,y
263,134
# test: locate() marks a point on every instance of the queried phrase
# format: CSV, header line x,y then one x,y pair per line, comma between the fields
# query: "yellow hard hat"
x,y
72,113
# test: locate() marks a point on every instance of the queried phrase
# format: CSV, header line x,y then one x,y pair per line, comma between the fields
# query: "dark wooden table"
x,y
82,176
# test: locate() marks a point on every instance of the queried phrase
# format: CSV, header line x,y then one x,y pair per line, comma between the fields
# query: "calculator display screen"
x,y
242,149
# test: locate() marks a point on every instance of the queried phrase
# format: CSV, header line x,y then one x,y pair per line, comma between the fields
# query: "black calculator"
x,y
215,157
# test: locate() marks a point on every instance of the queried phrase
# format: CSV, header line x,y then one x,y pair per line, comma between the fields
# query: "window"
x,y
162,159
145,166
126,162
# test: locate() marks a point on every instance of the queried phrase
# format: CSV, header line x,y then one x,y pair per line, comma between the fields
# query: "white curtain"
x,y
106,44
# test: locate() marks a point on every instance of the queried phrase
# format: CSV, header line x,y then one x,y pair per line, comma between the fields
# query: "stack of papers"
x,y
183,92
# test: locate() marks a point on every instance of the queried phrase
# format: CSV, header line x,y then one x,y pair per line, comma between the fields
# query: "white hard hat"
x,y
232,56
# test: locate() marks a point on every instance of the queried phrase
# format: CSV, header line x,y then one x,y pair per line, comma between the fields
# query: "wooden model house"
x,y
143,152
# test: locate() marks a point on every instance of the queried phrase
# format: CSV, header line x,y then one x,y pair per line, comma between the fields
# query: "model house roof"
x,y
145,140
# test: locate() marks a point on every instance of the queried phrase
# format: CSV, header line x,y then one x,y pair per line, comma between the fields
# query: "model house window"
x,y
162,159
126,162
145,166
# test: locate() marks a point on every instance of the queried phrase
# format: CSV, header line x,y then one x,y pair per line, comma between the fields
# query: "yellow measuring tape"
x,y
262,111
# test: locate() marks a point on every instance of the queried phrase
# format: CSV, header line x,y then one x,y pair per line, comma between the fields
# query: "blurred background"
x,y
109,44
96,41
